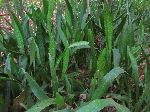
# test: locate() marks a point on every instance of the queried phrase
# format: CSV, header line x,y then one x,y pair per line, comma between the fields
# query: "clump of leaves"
x,y
63,50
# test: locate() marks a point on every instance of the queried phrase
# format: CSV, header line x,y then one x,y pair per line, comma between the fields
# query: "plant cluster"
x,y
76,55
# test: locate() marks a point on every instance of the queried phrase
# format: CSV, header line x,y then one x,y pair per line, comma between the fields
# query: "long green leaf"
x,y
99,104
8,69
80,44
18,33
38,107
68,84
101,63
64,70
141,34
45,8
36,89
40,34
116,57
134,72
32,47
70,10
65,60
84,21
120,26
61,34
108,26
53,74
34,50
26,28
52,46
105,83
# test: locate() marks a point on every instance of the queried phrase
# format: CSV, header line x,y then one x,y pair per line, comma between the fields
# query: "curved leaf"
x,y
99,104
106,82
36,89
134,71
38,107
18,33
80,44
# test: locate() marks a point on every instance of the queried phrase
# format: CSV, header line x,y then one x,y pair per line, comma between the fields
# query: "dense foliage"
x,y
76,55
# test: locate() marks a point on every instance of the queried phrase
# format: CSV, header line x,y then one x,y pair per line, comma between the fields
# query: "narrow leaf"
x,y
70,11
116,57
101,63
80,44
134,72
36,89
53,74
52,46
32,48
108,26
38,107
106,82
99,104
18,33
84,21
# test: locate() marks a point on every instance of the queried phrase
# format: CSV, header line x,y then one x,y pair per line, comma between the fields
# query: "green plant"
x,y
61,54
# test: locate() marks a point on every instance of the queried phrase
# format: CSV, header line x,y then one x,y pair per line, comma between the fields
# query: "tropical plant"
x,y
76,56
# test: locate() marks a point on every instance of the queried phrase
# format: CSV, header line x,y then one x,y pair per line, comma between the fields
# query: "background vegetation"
x,y
75,55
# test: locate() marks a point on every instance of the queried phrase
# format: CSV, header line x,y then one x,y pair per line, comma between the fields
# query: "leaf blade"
x,y
99,104
106,82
